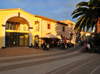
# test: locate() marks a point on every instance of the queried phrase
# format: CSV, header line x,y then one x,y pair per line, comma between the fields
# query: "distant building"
x,y
85,35
69,30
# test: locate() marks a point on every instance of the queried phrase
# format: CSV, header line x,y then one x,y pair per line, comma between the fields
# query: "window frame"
x,y
11,25
49,26
63,28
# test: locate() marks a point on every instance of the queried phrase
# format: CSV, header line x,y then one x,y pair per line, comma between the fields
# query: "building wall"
x,y
52,27
84,35
29,22
56,28
70,29
6,14
39,33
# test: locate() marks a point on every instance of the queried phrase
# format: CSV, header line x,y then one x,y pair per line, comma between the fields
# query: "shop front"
x,y
16,32
18,27
16,39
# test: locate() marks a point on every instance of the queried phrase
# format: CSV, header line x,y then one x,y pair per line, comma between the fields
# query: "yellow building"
x,y
18,28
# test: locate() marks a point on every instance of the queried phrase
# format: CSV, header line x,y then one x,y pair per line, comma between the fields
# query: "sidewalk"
x,y
19,51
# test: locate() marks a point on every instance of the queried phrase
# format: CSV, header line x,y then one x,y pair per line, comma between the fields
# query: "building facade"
x,y
70,32
52,26
18,28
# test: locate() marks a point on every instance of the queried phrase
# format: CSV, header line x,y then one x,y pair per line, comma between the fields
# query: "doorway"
x,y
16,39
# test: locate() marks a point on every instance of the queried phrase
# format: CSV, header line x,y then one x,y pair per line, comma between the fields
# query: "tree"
x,y
89,15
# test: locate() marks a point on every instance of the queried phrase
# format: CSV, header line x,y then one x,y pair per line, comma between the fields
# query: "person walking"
x,y
86,47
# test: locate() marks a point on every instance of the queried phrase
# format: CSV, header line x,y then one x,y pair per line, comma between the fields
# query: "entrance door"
x,y
21,40
36,39
7,40
16,40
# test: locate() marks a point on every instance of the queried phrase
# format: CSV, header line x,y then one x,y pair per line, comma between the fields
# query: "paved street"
x,y
25,60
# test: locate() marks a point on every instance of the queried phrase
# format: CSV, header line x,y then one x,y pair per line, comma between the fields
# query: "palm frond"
x,y
80,9
77,26
90,23
78,14
88,13
82,4
92,2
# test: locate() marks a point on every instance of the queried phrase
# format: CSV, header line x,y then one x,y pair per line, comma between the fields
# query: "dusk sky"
x,y
54,9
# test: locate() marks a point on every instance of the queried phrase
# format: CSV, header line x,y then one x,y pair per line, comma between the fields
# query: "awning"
x,y
49,36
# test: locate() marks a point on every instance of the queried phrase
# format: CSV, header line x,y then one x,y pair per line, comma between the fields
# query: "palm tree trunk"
x,y
98,26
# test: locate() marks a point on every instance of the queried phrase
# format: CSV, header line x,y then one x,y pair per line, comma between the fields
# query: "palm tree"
x,y
89,15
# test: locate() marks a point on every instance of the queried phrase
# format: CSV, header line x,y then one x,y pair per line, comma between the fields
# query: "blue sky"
x,y
54,9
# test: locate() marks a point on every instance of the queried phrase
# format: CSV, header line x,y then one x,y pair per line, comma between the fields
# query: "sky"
x,y
54,9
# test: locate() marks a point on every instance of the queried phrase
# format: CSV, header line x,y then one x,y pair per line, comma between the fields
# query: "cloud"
x,y
54,9
64,12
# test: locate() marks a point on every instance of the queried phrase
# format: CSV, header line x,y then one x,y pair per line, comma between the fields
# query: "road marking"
x,y
81,66
95,69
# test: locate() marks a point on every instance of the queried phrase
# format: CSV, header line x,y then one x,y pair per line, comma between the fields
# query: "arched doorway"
x,y
16,32
18,15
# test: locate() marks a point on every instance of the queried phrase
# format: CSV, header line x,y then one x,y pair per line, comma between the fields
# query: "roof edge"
x,y
16,9
46,18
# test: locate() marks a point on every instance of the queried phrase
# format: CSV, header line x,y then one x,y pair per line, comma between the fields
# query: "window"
x,y
36,26
12,25
48,26
7,26
63,29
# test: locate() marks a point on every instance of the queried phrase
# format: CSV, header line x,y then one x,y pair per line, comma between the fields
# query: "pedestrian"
x,y
86,47
79,42
62,45
44,45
